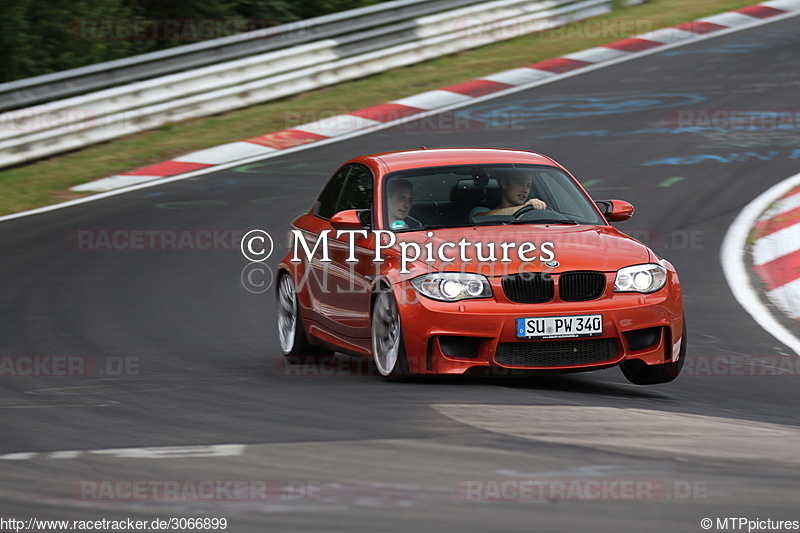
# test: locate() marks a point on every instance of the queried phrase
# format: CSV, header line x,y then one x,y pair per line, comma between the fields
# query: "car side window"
x,y
326,203
357,190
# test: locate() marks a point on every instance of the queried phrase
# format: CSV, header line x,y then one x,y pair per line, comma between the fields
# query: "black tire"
x,y
291,335
639,373
388,349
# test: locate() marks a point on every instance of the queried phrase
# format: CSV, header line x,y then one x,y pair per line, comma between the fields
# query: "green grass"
x,y
48,181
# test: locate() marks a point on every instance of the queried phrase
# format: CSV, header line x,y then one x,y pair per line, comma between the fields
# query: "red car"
x,y
444,261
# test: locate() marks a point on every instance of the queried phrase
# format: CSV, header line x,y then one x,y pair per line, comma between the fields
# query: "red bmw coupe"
x,y
444,261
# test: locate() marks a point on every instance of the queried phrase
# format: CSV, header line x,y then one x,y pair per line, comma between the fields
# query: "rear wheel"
x,y
294,342
387,337
639,373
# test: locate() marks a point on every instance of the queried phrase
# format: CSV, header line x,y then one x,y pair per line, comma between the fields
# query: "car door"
x,y
352,292
341,289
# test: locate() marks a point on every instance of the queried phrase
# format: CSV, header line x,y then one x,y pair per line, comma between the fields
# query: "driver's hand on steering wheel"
x,y
535,203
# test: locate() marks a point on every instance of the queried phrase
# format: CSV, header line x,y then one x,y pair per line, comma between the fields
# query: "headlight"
x,y
640,278
452,286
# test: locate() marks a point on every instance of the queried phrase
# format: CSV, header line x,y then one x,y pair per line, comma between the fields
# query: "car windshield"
x,y
464,195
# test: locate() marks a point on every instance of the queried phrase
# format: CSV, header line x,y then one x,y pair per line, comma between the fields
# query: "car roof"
x,y
426,157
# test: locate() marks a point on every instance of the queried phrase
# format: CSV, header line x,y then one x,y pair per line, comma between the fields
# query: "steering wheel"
x,y
522,210
545,213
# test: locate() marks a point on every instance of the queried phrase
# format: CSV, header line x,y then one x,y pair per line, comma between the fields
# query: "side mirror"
x,y
351,219
615,210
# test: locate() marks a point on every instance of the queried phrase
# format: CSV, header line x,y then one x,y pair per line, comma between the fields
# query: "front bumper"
x,y
454,337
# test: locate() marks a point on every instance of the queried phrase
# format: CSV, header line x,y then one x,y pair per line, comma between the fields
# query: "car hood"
x,y
598,248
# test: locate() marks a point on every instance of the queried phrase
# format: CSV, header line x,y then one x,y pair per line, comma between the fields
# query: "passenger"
x,y
400,198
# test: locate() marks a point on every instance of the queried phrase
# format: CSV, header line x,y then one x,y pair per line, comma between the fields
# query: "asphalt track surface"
x,y
204,366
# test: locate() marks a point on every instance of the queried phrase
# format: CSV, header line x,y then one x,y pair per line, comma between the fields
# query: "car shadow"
x,y
360,367
570,383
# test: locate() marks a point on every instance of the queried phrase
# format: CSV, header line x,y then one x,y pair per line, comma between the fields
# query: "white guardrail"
x,y
68,124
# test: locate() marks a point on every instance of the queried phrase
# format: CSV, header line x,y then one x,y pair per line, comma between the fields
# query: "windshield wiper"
x,y
440,226
427,227
549,221
494,222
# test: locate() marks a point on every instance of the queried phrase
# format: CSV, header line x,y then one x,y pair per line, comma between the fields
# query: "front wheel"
x,y
387,337
293,339
639,373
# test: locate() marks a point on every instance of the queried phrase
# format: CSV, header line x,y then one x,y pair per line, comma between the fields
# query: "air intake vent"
x,y
556,353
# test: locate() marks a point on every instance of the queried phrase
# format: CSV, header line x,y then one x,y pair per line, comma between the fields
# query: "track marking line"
x,y
148,452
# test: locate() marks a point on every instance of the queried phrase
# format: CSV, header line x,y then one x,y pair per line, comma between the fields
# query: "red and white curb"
x,y
773,220
776,252
432,101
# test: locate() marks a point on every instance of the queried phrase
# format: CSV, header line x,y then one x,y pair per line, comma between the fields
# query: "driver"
x,y
514,191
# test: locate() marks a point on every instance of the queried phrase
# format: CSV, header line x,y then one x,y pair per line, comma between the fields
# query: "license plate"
x,y
552,327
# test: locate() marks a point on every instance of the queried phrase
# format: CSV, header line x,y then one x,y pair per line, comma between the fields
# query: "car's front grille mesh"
x,y
581,286
528,287
556,353
539,287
